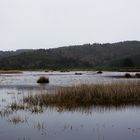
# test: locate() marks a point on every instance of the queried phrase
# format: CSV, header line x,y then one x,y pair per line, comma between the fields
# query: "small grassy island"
x,y
89,95
43,80
128,75
99,72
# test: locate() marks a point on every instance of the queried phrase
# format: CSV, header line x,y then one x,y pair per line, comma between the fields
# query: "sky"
x,y
31,24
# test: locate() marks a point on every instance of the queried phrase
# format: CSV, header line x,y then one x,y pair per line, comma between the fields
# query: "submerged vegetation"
x,y
88,95
17,119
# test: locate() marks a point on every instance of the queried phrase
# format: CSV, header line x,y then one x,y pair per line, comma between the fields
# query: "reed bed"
x,y
88,95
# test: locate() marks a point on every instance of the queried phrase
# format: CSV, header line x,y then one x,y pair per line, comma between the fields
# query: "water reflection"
x,y
94,123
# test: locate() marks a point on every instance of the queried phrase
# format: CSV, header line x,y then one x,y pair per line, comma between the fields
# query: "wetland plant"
x,y
99,72
43,80
15,106
78,73
127,75
137,75
88,95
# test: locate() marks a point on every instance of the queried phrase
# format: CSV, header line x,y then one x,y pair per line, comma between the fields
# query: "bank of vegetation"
x,y
115,56
89,95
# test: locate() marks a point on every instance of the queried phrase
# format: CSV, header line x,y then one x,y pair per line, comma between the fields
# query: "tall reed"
x,y
88,95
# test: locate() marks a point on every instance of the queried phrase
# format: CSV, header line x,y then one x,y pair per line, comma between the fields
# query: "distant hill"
x,y
115,55
130,61
4,54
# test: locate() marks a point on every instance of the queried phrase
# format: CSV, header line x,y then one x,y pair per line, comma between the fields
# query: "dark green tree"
x,y
127,63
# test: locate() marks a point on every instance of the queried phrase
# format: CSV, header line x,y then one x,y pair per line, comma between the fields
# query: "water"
x,y
28,79
98,123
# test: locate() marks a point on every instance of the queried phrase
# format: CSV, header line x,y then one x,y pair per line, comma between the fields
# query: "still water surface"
x,y
95,123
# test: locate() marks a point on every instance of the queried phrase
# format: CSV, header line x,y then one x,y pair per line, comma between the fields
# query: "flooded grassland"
x,y
22,121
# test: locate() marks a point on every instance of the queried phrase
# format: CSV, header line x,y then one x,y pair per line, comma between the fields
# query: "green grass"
x,y
89,95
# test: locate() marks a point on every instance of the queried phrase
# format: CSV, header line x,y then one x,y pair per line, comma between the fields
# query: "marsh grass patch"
x,y
89,95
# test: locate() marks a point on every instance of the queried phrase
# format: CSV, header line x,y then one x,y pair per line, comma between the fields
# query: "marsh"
x,y
97,122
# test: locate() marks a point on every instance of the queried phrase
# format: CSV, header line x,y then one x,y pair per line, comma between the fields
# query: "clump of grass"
x,y
137,75
15,106
36,109
127,75
78,73
99,72
88,95
43,80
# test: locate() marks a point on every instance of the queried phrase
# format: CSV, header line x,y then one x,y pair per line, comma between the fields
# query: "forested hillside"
x,y
116,55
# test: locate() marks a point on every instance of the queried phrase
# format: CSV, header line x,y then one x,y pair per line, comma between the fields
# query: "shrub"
x,y
137,75
43,80
99,72
78,73
127,75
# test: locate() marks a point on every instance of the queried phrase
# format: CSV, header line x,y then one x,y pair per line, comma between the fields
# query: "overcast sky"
x,y
55,23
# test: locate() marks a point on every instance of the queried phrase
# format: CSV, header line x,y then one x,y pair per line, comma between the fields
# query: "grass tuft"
x,y
127,75
43,80
78,73
99,72
137,75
